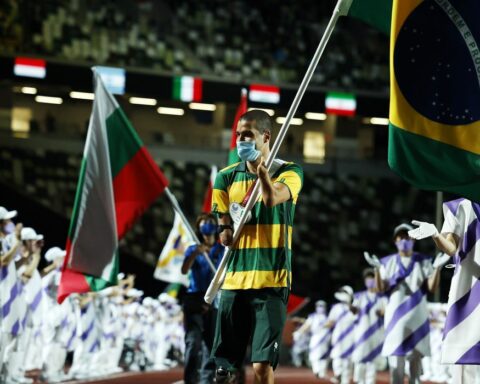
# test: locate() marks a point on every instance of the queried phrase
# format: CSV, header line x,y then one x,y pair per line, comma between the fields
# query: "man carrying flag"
x,y
118,181
255,291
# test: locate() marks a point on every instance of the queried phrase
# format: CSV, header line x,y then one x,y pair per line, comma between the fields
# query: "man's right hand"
x,y
226,237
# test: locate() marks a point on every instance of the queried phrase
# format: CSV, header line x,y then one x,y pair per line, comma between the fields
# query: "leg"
x,y
397,369
370,373
263,373
269,307
346,371
359,373
415,368
207,371
232,332
193,346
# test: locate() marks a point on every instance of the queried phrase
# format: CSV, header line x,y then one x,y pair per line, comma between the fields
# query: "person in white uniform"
x,y
342,320
405,277
368,334
459,237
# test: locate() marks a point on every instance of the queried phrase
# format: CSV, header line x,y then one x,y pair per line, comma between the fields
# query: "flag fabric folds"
x,y
173,253
118,181
242,108
207,201
434,133
374,12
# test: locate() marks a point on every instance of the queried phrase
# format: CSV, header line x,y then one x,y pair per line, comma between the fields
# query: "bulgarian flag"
x,y
207,201
434,132
242,108
118,181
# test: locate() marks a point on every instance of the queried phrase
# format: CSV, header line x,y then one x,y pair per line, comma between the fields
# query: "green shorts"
x,y
253,315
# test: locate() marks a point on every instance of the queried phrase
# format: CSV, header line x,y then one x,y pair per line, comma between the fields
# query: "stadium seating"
x,y
241,40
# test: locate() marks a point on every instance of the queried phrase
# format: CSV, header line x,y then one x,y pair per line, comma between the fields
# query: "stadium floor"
x,y
283,375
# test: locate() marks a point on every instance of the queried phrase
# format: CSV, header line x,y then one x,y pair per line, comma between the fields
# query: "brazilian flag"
x,y
434,133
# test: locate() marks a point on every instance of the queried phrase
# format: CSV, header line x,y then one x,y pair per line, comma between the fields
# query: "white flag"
x,y
171,259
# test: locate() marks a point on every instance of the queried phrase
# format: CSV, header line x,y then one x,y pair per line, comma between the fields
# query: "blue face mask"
x,y
208,228
404,245
246,150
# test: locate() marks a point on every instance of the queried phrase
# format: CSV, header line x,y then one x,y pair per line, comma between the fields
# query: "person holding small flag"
x,y
199,316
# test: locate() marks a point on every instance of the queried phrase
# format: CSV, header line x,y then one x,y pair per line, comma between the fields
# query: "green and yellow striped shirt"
x,y
262,256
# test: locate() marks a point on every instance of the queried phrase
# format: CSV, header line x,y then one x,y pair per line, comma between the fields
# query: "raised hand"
x,y
372,260
423,231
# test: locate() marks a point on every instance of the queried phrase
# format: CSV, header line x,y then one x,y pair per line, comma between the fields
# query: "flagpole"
x,y
177,208
341,9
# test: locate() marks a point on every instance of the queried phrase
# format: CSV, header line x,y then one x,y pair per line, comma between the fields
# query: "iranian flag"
x,y
264,93
27,67
187,88
342,104
242,108
207,200
118,181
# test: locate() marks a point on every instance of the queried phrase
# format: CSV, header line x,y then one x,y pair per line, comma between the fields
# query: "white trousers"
x,y
364,373
342,368
466,374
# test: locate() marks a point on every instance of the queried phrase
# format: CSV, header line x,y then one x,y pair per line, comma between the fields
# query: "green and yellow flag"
x,y
434,133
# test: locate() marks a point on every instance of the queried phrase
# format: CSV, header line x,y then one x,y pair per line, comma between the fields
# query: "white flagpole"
x,y
177,208
341,9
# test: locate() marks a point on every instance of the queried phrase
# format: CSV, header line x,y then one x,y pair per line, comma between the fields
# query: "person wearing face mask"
x,y
458,238
257,283
342,321
405,277
368,333
319,344
199,316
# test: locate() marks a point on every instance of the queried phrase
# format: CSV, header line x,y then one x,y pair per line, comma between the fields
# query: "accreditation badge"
x,y
236,212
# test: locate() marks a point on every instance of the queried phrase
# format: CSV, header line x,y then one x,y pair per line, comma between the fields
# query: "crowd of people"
x,y
87,335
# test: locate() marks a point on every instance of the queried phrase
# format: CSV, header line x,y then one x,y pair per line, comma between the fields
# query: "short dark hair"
x,y
368,272
262,119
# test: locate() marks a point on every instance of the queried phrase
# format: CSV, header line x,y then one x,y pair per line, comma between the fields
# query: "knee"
x,y
262,369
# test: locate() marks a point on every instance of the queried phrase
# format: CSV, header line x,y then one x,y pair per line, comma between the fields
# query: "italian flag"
x,y
241,109
343,104
264,93
118,181
207,201
187,88
28,67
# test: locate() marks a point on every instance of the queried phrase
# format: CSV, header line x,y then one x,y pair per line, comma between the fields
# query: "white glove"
x,y
372,260
441,260
424,230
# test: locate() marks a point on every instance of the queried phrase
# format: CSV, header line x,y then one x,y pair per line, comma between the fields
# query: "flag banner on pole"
x,y
207,201
173,289
118,181
296,303
27,67
264,93
434,132
241,109
342,104
173,253
187,88
374,12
